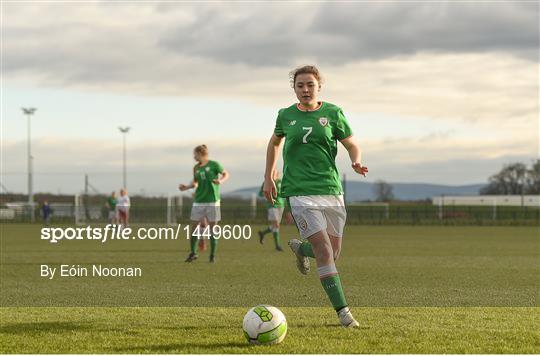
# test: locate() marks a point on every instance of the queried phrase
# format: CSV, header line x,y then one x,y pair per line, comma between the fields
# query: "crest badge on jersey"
x,y
323,121
207,169
303,224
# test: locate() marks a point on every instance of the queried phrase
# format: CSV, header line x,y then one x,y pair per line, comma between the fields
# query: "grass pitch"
x,y
311,330
414,289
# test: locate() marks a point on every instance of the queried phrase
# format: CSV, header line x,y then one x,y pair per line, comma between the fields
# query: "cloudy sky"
x,y
435,92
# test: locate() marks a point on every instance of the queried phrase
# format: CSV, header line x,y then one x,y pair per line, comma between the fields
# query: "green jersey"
x,y
207,191
309,153
279,202
112,203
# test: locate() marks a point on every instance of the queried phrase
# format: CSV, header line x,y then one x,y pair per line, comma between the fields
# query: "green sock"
x,y
213,246
276,239
332,287
264,232
194,241
306,249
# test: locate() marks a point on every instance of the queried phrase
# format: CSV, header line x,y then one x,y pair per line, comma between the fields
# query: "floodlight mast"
x,y
28,112
124,131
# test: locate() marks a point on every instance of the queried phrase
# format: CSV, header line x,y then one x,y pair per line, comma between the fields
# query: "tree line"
x,y
515,179
512,179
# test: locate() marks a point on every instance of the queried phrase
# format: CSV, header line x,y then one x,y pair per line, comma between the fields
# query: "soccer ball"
x,y
264,325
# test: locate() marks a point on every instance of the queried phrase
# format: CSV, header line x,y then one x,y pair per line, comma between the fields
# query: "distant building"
x,y
488,200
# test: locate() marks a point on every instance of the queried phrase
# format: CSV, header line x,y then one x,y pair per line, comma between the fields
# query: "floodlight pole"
x,y
28,112
124,131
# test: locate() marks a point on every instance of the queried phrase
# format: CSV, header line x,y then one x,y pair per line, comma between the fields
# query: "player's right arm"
x,y
183,187
269,187
352,147
193,183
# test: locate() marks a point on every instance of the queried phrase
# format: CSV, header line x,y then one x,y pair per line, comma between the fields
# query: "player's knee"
x,y
325,254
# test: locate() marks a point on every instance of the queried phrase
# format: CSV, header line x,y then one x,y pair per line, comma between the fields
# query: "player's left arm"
x,y
220,171
224,176
355,155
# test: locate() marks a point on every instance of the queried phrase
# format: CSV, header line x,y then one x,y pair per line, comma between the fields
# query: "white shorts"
x,y
112,214
275,214
211,211
314,213
122,212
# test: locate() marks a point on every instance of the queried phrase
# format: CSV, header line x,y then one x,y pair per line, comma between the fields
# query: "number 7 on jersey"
x,y
308,129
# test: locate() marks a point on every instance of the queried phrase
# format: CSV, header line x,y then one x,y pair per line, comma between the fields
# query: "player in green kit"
x,y
275,212
311,181
111,206
207,177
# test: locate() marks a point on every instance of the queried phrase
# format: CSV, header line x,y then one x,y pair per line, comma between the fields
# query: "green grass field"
x,y
311,330
429,289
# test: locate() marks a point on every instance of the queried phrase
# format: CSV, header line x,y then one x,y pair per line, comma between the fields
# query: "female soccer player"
x,y
123,204
275,212
111,206
207,177
311,181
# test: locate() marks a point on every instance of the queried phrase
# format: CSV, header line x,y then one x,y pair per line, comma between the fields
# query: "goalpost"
x,y
174,208
253,206
86,211
78,210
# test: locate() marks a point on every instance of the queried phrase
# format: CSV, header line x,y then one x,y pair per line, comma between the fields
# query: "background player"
x,y
123,204
311,182
111,206
207,177
275,212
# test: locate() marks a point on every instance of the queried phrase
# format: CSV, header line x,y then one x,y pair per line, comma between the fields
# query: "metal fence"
x,y
92,210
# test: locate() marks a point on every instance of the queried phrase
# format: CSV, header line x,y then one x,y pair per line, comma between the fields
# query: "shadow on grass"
x,y
45,326
179,328
340,327
186,347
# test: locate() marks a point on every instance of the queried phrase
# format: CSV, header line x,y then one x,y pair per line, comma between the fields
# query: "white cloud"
x,y
159,167
117,47
462,73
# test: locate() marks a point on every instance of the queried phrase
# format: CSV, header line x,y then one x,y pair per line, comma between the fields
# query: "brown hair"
x,y
308,69
201,149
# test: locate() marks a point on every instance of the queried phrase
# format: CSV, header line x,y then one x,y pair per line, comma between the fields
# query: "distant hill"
x,y
361,191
